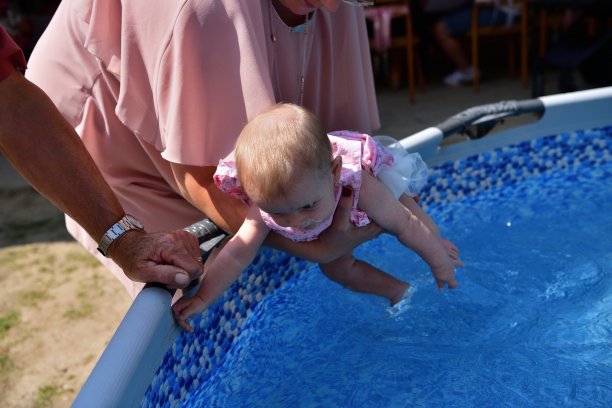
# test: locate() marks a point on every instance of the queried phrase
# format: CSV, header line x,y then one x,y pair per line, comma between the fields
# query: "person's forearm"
x,y
48,153
198,187
309,250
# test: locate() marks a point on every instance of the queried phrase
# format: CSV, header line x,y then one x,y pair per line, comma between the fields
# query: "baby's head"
x,y
283,158
278,145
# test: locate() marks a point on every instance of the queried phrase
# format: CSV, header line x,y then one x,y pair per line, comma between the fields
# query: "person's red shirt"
x,y
11,56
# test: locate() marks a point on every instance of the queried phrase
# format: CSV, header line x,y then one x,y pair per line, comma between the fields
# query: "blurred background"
x,y
434,58
436,51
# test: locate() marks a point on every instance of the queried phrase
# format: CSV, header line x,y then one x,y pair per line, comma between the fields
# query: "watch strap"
x,y
125,224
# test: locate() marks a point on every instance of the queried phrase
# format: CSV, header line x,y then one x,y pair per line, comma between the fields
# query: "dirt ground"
x,y
58,306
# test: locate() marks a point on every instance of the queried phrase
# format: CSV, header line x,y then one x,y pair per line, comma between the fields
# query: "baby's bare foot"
x,y
403,304
401,291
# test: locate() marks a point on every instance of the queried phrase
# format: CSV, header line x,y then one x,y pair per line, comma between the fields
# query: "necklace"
x,y
304,29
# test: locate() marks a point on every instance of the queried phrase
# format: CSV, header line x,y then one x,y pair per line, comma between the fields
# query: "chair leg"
x,y
524,51
410,55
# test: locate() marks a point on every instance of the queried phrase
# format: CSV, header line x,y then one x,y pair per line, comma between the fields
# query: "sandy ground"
x,y
58,306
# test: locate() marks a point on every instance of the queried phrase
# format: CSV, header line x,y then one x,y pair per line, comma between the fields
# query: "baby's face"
x,y
310,202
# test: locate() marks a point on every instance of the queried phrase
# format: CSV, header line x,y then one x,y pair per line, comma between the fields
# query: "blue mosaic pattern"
x,y
193,357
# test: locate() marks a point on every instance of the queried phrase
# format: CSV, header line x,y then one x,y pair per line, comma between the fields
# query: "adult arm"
x,y
46,150
197,186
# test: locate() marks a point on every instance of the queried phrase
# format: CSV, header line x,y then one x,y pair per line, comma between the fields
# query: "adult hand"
x,y
171,258
342,235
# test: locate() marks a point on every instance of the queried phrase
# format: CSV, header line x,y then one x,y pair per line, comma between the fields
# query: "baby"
x,y
291,175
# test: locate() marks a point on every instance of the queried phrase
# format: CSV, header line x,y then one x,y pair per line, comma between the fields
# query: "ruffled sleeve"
x,y
226,178
406,172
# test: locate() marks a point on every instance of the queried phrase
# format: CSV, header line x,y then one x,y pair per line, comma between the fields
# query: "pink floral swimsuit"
x,y
359,151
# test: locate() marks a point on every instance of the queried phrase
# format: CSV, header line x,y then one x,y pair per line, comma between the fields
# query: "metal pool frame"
x,y
129,362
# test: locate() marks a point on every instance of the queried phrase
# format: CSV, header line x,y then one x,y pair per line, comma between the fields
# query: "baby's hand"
x,y
444,273
452,251
185,308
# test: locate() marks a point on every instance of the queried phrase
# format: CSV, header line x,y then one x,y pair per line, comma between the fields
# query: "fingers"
x,y
180,310
184,324
169,275
184,250
452,251
452,284
189,241
181,254
458,262
186,307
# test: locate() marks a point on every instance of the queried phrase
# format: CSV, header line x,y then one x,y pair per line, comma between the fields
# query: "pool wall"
x,y
165,364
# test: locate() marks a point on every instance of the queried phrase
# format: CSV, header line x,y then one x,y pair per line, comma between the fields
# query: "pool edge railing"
x,y
583,108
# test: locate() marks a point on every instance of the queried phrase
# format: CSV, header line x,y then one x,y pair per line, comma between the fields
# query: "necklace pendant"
x,y
301,100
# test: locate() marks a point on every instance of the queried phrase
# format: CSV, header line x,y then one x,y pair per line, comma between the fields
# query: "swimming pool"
x,y
490,343
530,326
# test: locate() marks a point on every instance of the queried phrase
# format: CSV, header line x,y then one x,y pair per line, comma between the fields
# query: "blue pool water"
x,y
529,326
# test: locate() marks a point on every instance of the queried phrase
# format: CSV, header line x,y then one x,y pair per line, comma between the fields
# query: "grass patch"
x,y
8,320
6,363
9,257
45,395
83,310
32,298
85,259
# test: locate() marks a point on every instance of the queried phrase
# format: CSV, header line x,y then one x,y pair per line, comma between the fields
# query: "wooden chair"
x,y
516,29
381,14
409,41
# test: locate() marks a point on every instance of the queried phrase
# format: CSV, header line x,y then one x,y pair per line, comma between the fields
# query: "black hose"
x,y
460,122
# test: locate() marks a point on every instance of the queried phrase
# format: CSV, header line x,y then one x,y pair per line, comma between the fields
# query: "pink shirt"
x,y
191,75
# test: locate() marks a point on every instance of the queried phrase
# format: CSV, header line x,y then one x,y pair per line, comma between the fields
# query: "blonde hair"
x,y
278,145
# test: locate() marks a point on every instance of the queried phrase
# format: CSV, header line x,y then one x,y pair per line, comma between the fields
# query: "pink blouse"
x,y
150,82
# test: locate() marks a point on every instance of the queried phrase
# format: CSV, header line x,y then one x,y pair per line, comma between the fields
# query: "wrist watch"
x,y
125,224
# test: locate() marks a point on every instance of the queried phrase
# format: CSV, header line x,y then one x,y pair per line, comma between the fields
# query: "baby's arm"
x,y
382,207
225,268
416,209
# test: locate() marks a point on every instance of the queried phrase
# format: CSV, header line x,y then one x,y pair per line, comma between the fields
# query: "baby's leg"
x,y
362,277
